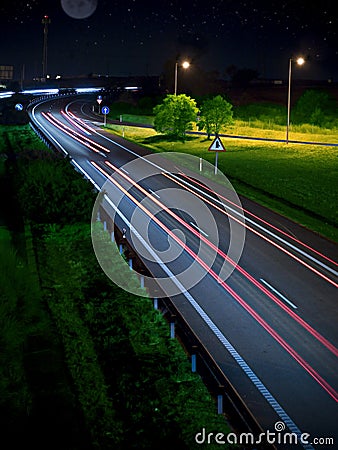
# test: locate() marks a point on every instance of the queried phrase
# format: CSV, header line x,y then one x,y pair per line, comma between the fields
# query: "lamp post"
x,y
45,22
185,65
300,62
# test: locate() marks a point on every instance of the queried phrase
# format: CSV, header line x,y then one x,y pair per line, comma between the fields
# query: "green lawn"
x,y
133,118
305,132
297,180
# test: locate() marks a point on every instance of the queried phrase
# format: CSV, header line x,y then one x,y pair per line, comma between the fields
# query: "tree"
x,y
175,115
314,107
216,113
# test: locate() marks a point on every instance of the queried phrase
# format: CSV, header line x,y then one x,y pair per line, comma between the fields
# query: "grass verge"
x,y
19,137
296,180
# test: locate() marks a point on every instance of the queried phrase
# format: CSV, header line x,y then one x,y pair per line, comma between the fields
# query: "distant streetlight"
x,y
45,22
185,65
300,62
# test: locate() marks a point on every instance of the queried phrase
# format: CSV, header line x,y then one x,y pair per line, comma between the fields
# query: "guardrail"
x,y
228,400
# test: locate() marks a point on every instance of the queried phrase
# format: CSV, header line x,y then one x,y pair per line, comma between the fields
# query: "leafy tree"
x,y
175,115
314,107
216,113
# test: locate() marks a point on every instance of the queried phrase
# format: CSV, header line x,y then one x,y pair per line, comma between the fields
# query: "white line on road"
x,y
270,233
154,193
247,219
199,229
240,361
224,341
85,174
124,170
278,293
280,239
47,132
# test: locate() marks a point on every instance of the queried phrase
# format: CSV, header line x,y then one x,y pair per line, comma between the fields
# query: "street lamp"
x,y
45,22
300,62
185,65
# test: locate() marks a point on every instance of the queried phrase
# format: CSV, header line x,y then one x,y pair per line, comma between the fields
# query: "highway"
x,y
259,290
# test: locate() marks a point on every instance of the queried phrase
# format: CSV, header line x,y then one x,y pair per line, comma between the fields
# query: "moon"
x,y
79,9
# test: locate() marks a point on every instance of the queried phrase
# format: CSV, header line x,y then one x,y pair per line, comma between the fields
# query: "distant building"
x,y
6,73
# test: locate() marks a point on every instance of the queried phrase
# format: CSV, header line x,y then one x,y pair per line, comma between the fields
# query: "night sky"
x,y
137,37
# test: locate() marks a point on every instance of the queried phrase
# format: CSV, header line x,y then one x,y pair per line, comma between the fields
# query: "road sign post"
x,y
99,101
216,163
216,146
105,110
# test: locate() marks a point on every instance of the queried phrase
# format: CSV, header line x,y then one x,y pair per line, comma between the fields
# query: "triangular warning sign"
x,y
216,145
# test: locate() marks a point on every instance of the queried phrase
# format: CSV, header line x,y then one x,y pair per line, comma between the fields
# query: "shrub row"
x,y
150,386
133,383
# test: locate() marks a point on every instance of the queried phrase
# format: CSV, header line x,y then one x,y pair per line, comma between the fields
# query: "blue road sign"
x,y
105,110
99,97
19,107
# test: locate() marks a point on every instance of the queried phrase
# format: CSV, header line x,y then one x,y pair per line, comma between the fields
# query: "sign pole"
x,y
216,162
105,111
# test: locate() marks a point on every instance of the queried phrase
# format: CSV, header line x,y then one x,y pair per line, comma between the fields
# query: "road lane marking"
x,y
124,170
313,259
154,193
316,376
260,286
298,319
74,163
233,352
278,293
199,229
287,252
213,327
323,265
47,132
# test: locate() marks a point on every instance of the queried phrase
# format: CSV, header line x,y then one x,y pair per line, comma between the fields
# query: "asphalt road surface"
x,y
271,324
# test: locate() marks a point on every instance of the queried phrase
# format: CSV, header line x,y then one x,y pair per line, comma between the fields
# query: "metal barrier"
x,y
228,400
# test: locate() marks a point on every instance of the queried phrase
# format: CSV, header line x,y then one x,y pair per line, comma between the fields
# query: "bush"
x,y
315,107
20,317
61,273
265,112
147,374
50,191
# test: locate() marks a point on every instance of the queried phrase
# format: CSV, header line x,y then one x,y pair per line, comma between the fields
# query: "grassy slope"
x,y
21,137
297,180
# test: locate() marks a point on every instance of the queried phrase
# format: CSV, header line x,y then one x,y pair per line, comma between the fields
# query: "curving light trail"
x,y
315,375
74,134
308,266
289,236
249,277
